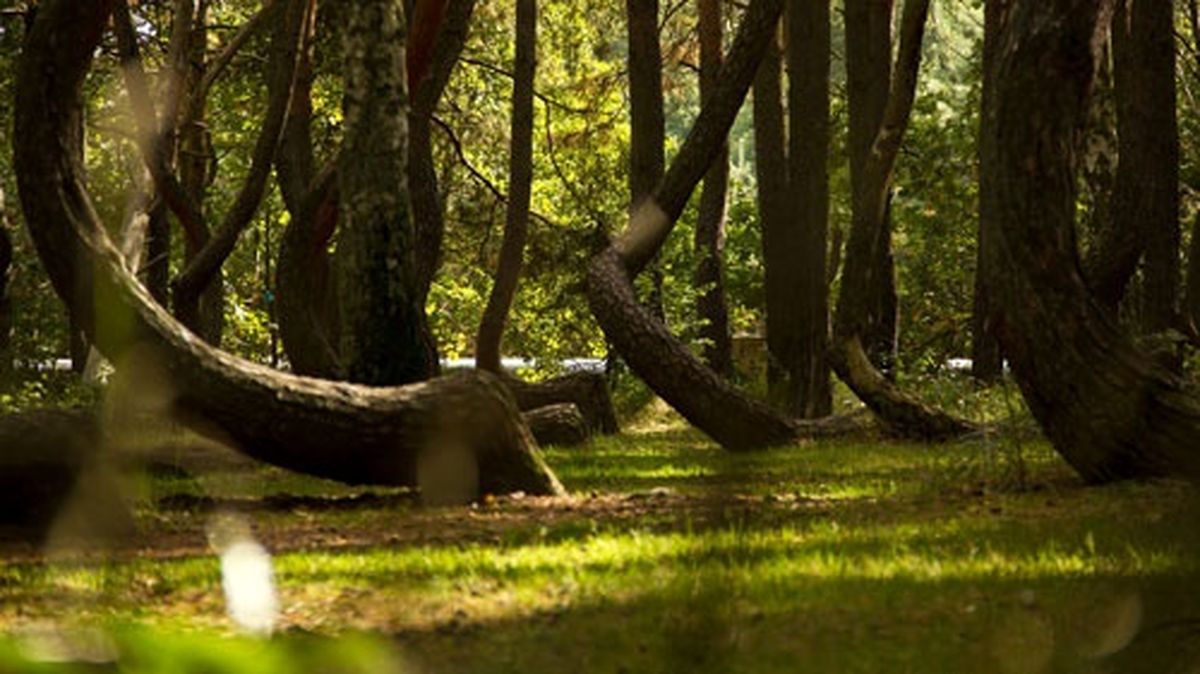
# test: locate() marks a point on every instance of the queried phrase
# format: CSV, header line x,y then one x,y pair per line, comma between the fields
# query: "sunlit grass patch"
x,y
673,554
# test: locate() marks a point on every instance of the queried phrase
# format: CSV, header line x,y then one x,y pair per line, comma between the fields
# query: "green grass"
x,y
671,556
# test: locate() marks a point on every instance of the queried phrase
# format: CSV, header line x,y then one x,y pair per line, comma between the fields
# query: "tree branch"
x,y
204,266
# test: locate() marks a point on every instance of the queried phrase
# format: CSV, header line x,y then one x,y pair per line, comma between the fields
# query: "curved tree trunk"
x,y
205,251
1145,201
730,417
587,393
1192,281
203,268
868,88
447,22
335,430
903,414
195,160
1142,224
61,254
1147,187
520,185
1111,411
451,29
709,277
305,297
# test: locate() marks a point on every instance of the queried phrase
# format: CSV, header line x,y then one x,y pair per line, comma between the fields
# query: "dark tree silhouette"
x,y
1108,408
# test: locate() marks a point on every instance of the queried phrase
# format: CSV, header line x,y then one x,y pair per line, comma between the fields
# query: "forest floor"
x,y
669,555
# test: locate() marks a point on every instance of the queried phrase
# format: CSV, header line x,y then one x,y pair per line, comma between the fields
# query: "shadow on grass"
x,y
716,622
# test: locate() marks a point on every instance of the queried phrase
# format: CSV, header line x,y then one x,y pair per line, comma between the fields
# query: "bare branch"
x,y
216,67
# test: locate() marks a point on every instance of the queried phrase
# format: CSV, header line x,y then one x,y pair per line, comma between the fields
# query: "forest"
x,y
664,335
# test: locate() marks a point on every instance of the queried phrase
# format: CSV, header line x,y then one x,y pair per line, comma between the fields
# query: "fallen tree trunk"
x,y
587,391
329,429
560,424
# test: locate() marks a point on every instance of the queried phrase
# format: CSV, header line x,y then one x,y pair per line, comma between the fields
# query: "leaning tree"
x,y
727,415
704,398
1110,409
331,429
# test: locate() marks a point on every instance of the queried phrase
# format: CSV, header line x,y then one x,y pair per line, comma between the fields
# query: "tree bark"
x,y
560,424
452,26
158,253
520,184
452,31
779,248
61,254
647,126
334,430
1145,199
868,87
1147,186
1108,408
381,315
709,276
194,161
588,391
808,59
986,359
306,305
1192,290
424,23
6,307
734,420
903,414
204,267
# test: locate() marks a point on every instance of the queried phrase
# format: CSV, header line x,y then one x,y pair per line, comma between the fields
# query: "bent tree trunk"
x,y
730,417
1108,408
1144,216
868,89
330,429
439,33
586,393
903,414
304,297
